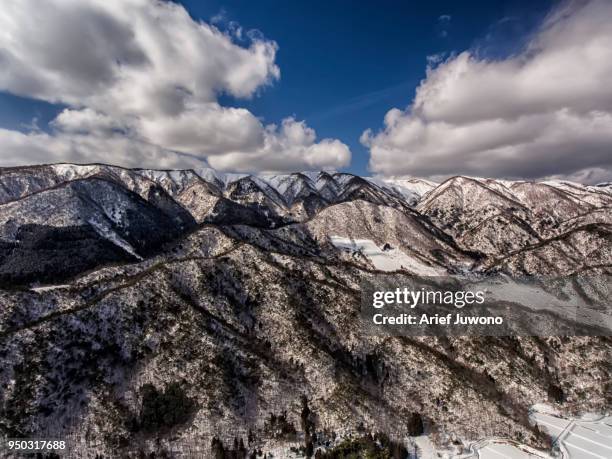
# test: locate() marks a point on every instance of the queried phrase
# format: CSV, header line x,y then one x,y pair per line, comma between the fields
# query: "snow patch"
x,y
289,186
109,234
587,437
425,447
384,260
46,288
504,450
410,188
343,179
73,171
214,176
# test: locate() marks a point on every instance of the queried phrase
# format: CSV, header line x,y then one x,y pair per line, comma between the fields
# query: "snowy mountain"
x,y
126,292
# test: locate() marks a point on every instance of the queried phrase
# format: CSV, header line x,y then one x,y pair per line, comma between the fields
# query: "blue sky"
x,y
344,64
515,89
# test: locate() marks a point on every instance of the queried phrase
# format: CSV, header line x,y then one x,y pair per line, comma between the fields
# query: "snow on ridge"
x,y
562,184
73,171
269,191
289,186
343,178
211,175
281,183
601,187
312,175
228,177
408,194
178,178
412,185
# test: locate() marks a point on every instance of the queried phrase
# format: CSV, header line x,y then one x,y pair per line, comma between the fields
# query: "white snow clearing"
x,y
413,188
426,449
503,450
384,260
589,437
45,288
103,230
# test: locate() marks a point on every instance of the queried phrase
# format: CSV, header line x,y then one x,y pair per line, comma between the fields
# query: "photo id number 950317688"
x,y
28,445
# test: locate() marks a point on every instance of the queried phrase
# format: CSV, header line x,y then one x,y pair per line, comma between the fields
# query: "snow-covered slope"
x,y
385,258
413,189
70,227
127,292
521,224
511,223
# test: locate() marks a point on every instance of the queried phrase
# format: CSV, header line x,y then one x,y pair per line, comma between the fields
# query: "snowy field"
x,y
503,450
589,437
385,260
45,288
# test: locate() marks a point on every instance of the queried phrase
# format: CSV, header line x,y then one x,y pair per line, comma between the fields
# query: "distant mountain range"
x,y
237,296
101,214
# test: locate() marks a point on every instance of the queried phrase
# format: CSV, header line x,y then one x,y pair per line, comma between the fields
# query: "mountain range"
x,y
129,292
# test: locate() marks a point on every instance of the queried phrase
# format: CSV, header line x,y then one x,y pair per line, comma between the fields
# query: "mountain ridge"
x,y
243,298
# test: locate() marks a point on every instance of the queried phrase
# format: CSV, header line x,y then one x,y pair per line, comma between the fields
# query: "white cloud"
x,y
142,72
292,147
208,129
544,112
86,121
42,148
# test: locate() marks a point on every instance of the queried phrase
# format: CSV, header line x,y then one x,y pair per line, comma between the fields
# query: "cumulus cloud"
x,y
17,148
141,78
546,111
292,143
